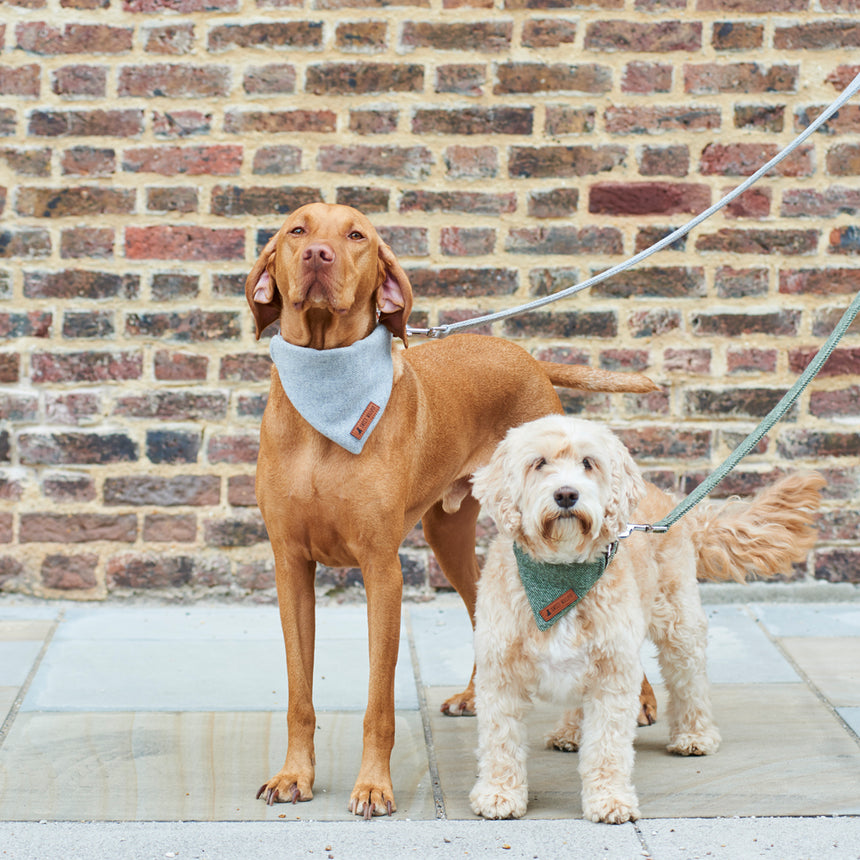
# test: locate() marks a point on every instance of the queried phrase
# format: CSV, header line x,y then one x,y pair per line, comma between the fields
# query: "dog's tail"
x,y
761,537
591,379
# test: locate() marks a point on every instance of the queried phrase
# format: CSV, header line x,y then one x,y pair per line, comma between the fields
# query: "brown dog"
x,y
329,279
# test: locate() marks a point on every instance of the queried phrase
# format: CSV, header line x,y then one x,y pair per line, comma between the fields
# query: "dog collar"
x,y
554,589
340,392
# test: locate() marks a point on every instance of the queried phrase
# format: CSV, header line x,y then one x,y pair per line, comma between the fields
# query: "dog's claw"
x,y
296,794
388,807
368,811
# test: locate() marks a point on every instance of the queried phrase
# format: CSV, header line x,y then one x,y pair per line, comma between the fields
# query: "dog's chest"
x,y
562,660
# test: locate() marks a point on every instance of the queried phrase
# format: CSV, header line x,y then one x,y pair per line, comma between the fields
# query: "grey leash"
x,y
441,331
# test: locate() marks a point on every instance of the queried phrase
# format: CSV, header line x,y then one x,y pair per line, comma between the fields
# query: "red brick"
x,y
10,367
473,120
277,160
845,121
81,242
11,490
556,203
18,407
564,240
363,36
570,324
179,366
280,122
85,367
184,7
566,119
233,200
467,241
647,198
31,324
86,123
245,530
42,38
172,200
175,39
657,38
169,528
240,491
484,36
187,242
774,323
818,35
807,444
737,35
456,283
660,443
641,77
257,576
26,242
80,80
818,281
74,202
733,283
751,360
696,361
364,78
845,240
180,123
548,32
77,528
760,117
88,161
844,159
656,281
191,160
20,81
789,242
812,203
842,75
652,120
233,449
636,360
150,571
743,159
173,405
174,81
754,203
69,572
271,79
406,162
563,161
368,200
713,78
78,283
73,408
27,162
664,160
463,79
514,78
838,564
841,404
178,491
737,402
272,34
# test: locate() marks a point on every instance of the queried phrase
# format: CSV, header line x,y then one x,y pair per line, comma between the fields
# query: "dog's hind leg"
x,y
452,538
681,650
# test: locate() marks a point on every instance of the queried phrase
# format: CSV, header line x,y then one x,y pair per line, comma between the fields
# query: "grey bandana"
x,y
554,589
341,392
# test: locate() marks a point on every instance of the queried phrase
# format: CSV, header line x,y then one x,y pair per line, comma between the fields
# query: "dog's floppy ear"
x,y
627,487
394,295
491,486
261,291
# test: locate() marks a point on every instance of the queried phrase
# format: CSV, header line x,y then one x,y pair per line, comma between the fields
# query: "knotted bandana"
x,y
340,392
554,589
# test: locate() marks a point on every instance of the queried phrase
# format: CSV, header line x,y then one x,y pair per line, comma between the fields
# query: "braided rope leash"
x,y
441,331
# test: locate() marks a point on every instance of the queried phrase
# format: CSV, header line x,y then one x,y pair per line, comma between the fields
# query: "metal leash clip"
x,y
641,527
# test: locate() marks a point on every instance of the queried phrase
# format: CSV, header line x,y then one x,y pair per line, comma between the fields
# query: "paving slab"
x,y
808,767
16,661
813,619
189,767
832,664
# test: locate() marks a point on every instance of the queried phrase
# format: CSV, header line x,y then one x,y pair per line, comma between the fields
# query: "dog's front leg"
x,y
610,707
296,598
373,793
503,700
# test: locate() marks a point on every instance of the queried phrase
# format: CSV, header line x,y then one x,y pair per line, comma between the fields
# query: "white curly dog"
x,y
562,489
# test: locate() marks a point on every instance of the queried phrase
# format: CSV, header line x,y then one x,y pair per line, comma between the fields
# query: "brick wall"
x,y
504,148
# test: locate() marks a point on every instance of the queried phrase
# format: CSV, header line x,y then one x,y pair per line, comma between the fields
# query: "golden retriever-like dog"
x,y
562,489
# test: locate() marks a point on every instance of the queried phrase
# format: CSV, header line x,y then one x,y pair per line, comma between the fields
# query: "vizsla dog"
x,y
330,281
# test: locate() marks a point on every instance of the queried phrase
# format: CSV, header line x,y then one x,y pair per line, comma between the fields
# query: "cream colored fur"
x,y
592,654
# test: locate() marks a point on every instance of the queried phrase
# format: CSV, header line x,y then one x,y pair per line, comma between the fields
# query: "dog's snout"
x,y
319,254
566,497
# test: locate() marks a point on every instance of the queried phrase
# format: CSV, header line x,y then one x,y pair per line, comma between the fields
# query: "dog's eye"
x,y
587,464
539,464
297,231
356,235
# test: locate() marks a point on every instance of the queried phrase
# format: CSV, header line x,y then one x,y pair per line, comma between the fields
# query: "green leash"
x,y
775,414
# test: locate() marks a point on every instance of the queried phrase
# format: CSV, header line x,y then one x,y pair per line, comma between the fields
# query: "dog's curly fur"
x,y
649,589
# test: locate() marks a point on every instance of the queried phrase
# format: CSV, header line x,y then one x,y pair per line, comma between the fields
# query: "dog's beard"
x,y
557,535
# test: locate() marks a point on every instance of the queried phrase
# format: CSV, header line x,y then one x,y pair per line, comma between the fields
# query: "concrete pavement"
x,y
143,731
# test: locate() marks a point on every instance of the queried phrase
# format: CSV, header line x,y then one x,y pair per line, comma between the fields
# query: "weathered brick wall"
x,y
148,148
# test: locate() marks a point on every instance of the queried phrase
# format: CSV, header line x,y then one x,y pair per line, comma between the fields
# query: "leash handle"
x,y
785,403
441,331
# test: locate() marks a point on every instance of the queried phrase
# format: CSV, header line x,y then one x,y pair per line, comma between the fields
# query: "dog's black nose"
x,y
565,497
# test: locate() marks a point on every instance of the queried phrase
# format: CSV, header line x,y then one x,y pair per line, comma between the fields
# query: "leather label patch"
x,y
558,605
370,412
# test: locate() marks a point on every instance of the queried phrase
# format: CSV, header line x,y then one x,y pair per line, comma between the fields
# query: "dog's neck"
x,y
319,328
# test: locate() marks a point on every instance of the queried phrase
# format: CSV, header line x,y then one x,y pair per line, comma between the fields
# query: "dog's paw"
x,y
700,743
285,788
461,705
367,801
493,801
567,734
611,808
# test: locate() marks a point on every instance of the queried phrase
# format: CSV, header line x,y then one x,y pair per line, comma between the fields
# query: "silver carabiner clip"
x,y
641,527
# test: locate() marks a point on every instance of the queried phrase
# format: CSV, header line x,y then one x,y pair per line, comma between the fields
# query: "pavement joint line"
x,y
813,687
646,851
423,708
25,687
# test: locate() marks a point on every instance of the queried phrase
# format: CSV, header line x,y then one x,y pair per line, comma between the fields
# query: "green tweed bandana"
x,y
554,589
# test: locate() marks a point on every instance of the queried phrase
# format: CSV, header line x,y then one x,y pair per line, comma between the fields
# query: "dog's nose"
x,y
319,254
566,497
